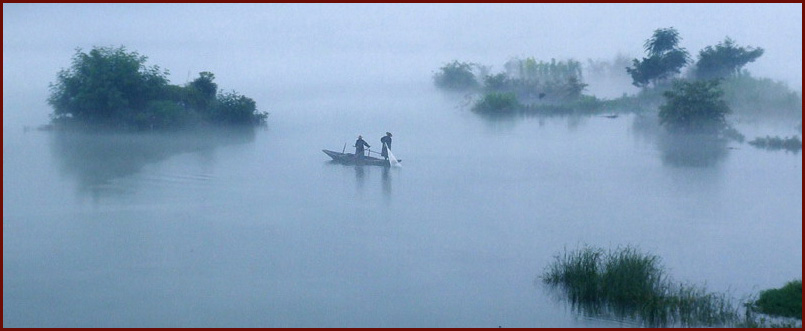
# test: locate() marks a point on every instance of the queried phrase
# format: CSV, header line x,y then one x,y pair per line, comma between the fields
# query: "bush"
x,y
233,108
694,107
785,301
106,86
497,103
457,76
791,144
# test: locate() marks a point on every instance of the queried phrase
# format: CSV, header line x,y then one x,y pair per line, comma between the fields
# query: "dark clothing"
x,y
359,144
386,141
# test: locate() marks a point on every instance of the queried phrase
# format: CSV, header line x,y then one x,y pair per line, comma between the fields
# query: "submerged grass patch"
x,y
791,144
629,285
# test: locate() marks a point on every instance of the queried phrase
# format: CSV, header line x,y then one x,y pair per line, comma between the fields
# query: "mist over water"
x,y
256,228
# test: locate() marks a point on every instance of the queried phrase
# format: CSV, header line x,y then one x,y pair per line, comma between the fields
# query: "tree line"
x,y
695,103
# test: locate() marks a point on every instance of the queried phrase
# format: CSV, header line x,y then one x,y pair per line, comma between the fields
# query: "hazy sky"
x,y
247,45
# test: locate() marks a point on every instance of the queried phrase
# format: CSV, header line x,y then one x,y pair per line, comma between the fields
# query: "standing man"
x,y
359,144
386,141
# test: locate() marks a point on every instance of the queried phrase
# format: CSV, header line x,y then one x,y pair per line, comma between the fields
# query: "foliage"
x,y
233,108
664,60
457,76
791,144
558,81
113,88
785,301
724,60
627,284
694,107
497,103
201,92
105,85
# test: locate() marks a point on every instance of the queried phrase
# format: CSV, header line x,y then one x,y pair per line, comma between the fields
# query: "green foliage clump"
x,y
665,59
785,301
791,144
497,103
457,76
233,108
105,86
113,88
694,107
724,60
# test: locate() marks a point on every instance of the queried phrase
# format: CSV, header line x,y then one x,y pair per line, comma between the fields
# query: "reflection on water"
x,y
360,176
697,151
386,183
680,150
95,159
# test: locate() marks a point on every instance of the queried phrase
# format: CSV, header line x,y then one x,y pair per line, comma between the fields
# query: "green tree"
x,y
108,86
201,92
694,107
456,76
665,59
111,87
233,108
725,59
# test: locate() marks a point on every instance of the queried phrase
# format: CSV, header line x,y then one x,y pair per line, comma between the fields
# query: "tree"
x,y
111,87
233,108
694,107
664,60
201,92
107,85
725,59
456,76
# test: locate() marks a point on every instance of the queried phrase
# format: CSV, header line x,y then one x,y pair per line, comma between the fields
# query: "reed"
x,y
627,284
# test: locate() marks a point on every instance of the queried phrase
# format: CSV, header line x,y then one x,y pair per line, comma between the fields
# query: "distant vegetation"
x,y
665,59
694,107
526,85
456,76
790,144
629,285
670,82
724,60
113,88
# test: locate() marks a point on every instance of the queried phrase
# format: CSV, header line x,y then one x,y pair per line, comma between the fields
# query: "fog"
x,y
258,229
265,50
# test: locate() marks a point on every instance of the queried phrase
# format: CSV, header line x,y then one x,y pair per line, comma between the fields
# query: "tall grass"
x,y
629,285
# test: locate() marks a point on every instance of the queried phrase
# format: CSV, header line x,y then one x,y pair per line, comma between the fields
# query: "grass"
x,y
629,285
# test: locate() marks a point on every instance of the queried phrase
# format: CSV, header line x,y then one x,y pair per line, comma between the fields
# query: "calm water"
x,y
258,229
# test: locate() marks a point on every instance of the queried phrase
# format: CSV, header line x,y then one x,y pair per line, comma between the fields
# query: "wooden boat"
x,y
349,158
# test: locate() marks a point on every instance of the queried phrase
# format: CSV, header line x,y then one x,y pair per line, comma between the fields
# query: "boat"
x,y
349,159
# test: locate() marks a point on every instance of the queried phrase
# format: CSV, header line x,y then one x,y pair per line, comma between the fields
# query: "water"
x,y
259,229
233,229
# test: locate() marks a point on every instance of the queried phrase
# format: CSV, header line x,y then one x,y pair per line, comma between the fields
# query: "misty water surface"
x,y
232,228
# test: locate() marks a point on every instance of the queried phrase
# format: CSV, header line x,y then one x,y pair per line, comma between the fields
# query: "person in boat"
x,y
386,141
359,147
